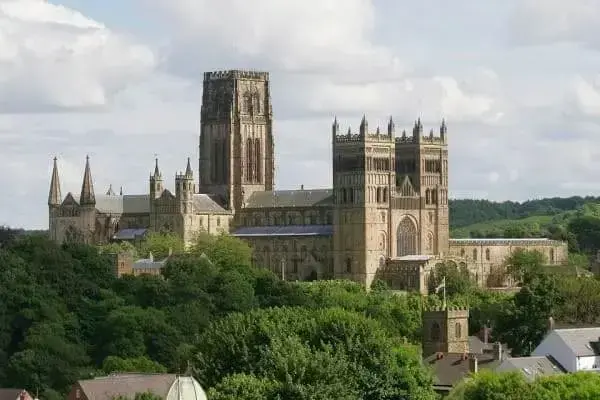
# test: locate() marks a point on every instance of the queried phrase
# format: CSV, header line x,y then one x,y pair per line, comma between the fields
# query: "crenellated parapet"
x,y
389,136
236,74
449,311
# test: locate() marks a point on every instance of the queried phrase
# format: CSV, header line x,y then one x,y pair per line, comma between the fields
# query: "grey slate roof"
x,y
284,230
140,204
127,385
531,367
203,203
582,341
452,368
10,394
130,234
291,198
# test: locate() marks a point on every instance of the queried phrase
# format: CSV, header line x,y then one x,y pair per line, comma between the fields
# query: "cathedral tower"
x,y
54,201
184,189
156,183
363,178
236,136
422,163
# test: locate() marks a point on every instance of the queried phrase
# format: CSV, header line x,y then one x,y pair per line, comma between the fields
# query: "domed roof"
x,y
186,388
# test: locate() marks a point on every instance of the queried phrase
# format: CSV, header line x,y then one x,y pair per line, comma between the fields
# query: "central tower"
x,y
236,136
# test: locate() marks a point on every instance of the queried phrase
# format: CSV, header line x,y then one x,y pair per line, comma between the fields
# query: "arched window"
x,y
434,199
435,332
349,265
475,254
342,195
378,198
407,238
427,196
551,255
458,330
487,254
350,196
385,195
462,252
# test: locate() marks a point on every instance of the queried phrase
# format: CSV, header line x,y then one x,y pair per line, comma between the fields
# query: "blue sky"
x,y
517,81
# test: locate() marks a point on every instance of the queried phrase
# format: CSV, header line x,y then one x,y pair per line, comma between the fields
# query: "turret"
x,y
391,129
417,131
443,130
156,182
87,197
184,188
335,129
364,126
54,197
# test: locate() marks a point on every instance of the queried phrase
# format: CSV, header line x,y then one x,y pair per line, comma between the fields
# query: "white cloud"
x,y
56,58
542,22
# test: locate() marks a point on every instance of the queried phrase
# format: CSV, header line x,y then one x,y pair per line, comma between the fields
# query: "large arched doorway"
x,y
407,237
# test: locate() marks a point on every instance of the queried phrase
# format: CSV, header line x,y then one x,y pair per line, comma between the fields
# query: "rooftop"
x,y
531,367
285,230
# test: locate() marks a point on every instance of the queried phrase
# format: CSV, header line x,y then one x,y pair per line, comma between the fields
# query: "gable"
x,y
406,188
70,200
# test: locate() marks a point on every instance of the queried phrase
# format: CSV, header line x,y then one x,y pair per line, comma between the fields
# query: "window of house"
x,y
218,221
475,254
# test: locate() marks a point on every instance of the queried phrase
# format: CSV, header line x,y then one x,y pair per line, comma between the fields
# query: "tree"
x,y
160,245
458,279
113,364
524,265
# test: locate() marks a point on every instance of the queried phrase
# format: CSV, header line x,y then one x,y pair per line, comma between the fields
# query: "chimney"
x,y
497,351
473,364
301,187
485,334
550,324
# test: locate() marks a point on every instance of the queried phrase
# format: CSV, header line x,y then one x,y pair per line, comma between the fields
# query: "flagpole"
x,y
444,298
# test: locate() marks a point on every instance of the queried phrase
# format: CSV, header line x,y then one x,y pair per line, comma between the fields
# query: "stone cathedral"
x,y
385,217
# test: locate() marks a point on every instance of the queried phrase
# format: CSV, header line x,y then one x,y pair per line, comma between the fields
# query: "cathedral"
x,y
386,216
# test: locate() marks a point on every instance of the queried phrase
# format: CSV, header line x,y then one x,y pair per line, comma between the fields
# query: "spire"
x,y
87,187
443,129
188,170
335,127
391,127
157,173
110,191
121,191
54,197
364,126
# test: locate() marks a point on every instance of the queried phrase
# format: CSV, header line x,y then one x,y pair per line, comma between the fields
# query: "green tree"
x,y
138,364
458,279
160,245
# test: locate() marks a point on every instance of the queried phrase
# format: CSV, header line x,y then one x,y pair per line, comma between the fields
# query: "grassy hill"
x,y
535,222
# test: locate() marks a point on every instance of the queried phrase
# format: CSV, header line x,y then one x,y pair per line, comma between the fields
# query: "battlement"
x,y
441,312
414,137
236,74
370,137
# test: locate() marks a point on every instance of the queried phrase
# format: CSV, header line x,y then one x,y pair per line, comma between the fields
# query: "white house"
x,y
575,349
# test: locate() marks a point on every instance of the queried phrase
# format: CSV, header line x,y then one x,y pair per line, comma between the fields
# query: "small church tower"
x,y
445,330
156,182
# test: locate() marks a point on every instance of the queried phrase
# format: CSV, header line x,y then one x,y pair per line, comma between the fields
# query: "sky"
x,y
120,80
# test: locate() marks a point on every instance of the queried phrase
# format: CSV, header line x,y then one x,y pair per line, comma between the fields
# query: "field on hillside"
x,y
533,223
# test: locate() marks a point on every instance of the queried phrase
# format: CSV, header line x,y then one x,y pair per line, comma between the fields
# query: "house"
x,y
532,367
165,386
450,353
575,349
15,394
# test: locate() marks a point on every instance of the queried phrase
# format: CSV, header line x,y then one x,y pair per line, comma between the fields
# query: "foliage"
x,y
513,386
160,245
65,317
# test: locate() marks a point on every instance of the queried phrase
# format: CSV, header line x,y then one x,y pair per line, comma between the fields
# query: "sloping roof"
x,y
582,341
414,257
108,387
285,230
203,203
126,204
10,394
531,367
291,198
452,367
130,234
